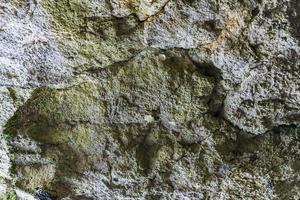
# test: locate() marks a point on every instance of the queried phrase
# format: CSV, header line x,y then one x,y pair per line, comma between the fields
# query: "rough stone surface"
x,y
140,99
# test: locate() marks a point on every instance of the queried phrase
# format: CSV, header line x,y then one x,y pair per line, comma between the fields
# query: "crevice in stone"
x,y
97,71
215,102
120,23
161,10
284,128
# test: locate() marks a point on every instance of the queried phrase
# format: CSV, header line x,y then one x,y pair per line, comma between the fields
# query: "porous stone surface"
x,y
140,99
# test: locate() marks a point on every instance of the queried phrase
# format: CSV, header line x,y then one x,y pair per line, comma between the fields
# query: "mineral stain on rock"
x,y
140,99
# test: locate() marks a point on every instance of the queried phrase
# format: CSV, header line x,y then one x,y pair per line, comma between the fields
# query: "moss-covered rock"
x,y
88,32
11,195
84,127
143,99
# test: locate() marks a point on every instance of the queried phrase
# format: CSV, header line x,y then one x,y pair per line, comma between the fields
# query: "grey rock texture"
x,y
140,99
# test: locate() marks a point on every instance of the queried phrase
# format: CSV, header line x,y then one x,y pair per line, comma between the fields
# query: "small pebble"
x,y
162,57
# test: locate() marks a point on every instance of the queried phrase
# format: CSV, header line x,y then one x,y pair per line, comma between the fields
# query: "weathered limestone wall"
x,y
144,99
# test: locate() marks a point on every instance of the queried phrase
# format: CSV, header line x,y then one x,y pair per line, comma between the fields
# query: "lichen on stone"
x,y
140,99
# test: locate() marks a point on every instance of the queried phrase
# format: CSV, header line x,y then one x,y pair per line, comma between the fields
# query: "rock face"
x,y
140,99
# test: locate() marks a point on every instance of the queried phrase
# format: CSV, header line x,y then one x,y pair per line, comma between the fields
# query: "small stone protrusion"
x,y
162,57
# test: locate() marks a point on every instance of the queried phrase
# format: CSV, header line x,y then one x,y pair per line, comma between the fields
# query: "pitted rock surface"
x,y
140,99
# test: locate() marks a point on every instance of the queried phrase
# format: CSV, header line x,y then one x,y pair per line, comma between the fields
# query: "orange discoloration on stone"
x,y
233,27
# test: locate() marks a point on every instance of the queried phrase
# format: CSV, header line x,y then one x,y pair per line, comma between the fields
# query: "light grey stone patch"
x,y
22,195
268,94
30,159
28,52
25,145
232,67
179,179
7,107
260,81
4,160
180,25
272,39
239,178
262,102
